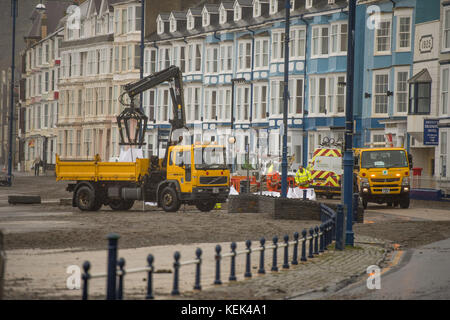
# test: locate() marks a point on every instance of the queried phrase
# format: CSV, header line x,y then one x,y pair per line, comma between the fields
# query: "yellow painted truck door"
x,y
179,168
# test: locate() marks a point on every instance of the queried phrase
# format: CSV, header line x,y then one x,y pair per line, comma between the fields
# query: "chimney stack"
x,y
44,25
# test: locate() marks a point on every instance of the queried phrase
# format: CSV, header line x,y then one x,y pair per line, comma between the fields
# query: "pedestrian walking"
x,y
37,164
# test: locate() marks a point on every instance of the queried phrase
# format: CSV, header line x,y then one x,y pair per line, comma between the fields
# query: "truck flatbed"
x,y
95,170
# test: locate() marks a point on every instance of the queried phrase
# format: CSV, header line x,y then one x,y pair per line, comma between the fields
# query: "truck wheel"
x,y
85,199
169,200
404,202
205,206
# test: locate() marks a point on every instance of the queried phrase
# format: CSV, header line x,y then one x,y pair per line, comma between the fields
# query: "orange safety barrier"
x,y
273,182
236,182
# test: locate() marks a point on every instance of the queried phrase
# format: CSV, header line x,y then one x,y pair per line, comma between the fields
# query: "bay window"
x,y
212,59
420,98
338,38
296,96
276,97
193,96
260,101
245,55
242,103
194,58
261,53
210,104
226,58
277,45
297,43
224,104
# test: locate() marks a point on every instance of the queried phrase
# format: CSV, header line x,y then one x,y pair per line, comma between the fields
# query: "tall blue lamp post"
x,y
348,152
11,111
284,164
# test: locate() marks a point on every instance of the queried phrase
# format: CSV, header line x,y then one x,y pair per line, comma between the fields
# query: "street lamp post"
x,y
11,111
285,107
348,153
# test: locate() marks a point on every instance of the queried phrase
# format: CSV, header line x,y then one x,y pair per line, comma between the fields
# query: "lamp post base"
x,y
349,238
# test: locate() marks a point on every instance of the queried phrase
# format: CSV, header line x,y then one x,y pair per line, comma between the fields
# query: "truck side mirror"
x,y
410,160
356,163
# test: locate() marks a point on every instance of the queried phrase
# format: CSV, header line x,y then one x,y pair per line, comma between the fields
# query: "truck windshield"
x,y
384,159
209,158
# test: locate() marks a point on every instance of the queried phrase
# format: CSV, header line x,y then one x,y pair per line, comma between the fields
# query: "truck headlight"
x,y
405,181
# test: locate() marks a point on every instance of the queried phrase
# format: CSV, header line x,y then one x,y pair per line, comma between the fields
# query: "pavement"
x,y
419,274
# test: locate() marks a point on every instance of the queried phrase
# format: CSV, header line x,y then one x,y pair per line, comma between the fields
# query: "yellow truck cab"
x,y
200,175
383,175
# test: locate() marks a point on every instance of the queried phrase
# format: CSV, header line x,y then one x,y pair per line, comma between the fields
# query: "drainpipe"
x,y
141,73
305,137
251,74
215,36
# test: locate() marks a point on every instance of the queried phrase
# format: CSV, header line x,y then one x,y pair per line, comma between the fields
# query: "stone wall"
x,y
244,203
281,208
293,209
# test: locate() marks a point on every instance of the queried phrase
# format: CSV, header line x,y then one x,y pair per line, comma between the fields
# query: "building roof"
x,y
164,16
195,11
422,76
228,5
179,15
55,11
319,5
212,8
245,3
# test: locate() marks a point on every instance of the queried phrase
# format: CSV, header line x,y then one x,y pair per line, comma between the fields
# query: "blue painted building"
x,y
218,45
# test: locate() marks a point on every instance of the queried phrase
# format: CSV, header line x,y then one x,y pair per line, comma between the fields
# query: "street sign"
x,y
430,132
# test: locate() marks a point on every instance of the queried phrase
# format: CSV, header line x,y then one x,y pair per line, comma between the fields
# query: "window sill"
x,y
403,50
382,53
380,115
338,54
324,56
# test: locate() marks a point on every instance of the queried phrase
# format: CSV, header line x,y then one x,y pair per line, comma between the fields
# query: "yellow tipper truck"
x,y
188,174
383,175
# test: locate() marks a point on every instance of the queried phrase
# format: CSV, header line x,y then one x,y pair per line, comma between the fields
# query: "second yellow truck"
x,y
382,175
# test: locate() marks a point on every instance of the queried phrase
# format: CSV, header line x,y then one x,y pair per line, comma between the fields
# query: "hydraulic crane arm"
x,y
173,76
